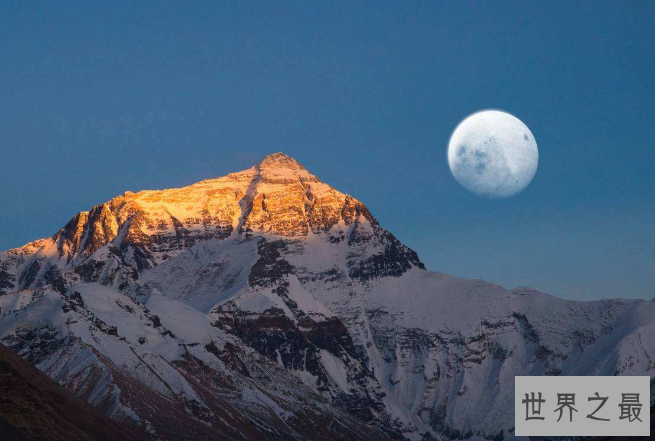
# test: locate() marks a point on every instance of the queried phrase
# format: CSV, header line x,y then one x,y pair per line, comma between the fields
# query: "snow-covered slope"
x,y
268,305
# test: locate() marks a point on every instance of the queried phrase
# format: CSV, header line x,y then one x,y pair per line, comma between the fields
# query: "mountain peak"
x,y
280,160
281,167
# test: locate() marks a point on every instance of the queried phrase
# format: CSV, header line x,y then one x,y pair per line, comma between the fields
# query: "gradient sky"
x,y
99,99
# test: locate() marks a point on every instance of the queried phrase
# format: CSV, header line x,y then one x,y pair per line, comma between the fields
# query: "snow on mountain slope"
x,y
451,349
205,274
129,362
265,303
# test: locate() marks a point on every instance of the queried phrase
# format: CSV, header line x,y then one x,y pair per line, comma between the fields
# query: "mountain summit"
x,y
277,197
267,305
279,162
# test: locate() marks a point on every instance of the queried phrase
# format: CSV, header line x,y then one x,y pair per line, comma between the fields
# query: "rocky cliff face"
x,y
266,304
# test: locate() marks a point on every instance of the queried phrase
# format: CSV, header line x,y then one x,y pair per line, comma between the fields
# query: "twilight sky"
x,y
99,99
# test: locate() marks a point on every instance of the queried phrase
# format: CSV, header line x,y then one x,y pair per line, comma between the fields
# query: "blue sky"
x,y
97,99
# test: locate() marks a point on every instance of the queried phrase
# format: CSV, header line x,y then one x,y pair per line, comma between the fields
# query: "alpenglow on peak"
x,y
276,197
278,166
280,160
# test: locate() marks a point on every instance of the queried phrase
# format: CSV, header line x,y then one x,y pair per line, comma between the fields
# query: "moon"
x,y
493,154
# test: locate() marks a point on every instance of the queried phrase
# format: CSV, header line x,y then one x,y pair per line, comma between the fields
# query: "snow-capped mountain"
x,y
268,305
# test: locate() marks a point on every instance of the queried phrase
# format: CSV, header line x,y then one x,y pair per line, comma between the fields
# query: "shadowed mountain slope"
x,y
33,408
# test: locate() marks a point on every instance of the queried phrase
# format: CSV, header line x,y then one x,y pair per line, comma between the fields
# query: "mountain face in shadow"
x,y
35,408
